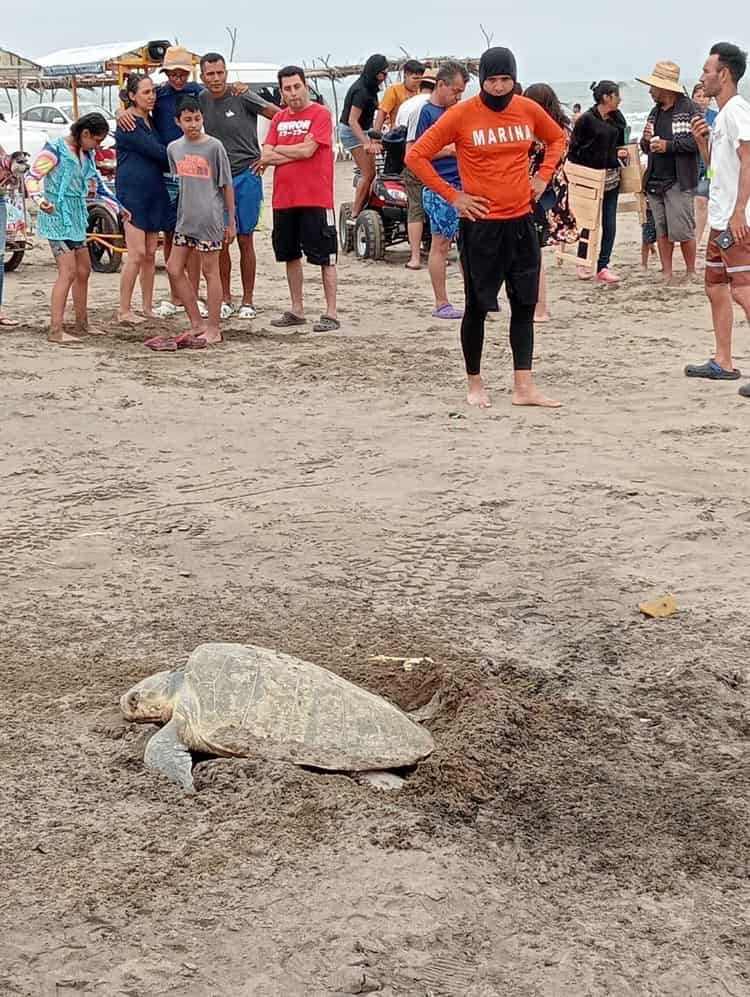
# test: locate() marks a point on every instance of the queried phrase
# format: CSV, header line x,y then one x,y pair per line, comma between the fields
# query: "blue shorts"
x,y
60,247
347,137
443,216
248,198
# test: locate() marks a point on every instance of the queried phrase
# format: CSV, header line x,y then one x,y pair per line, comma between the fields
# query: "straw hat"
x,y
177,58
666,76
429,76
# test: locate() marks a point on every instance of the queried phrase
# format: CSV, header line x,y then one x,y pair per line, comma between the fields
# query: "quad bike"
x,y
383,220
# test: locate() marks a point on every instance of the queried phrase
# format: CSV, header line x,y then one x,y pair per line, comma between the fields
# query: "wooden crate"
x,y
585,196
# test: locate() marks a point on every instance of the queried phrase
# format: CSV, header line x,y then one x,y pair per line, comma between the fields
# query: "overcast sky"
x,y
586,40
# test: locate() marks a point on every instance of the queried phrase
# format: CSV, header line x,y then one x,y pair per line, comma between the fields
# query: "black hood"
x,y
374,65
497,62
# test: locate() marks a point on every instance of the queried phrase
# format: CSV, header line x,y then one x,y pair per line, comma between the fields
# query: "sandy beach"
x,y
582,827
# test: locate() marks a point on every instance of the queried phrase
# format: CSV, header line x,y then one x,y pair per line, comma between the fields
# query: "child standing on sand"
x,y
205,219
648,239
60,179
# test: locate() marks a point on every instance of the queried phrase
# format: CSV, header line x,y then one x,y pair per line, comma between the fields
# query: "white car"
x,y
33,142
55,119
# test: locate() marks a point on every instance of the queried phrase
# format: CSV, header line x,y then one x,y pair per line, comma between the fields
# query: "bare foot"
x,y
130,318
542,317
212,336
199,330
89,330
60,337
531,396
477,393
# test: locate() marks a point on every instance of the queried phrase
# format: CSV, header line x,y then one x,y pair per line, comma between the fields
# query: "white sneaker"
x,y
247,311
202,310
167,310
227,310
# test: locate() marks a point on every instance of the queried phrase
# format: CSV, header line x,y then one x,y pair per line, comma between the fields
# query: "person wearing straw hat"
x,y
177,66
672,172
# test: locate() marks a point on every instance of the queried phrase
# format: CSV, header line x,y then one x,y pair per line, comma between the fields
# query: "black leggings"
x,y
521,336
492,253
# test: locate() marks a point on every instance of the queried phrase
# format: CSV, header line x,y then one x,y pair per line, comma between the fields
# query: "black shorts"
x,y
496,252
311,231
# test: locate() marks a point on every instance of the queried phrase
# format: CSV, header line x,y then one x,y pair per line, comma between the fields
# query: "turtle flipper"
x,y
166,753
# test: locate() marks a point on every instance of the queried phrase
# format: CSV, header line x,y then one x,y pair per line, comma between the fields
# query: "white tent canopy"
x,y
88,60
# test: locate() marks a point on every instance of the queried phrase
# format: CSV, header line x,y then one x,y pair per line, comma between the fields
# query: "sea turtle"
x,y
240,700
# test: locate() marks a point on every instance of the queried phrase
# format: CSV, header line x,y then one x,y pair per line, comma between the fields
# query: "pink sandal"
x,y
187,341
161,344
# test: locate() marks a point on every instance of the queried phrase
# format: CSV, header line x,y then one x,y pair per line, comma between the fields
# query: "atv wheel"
x,y
369,236
101,222
346,231
13,260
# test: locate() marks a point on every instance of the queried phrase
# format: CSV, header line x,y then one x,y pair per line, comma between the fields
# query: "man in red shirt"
x,y
492,134
299,146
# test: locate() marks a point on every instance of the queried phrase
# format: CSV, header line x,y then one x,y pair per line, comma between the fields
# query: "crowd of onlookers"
x,y
190,169
485,173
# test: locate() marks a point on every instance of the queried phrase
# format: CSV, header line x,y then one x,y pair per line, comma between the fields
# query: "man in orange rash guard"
x,y
492,134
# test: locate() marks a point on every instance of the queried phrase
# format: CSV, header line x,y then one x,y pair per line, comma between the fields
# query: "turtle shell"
x,y
243,700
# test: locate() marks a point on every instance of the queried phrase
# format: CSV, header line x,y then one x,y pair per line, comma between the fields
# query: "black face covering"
x,y
496,62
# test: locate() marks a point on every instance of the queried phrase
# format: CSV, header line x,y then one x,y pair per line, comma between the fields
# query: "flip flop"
x,y
407,267
184,337
8,323
326,324
287,320
160,344
712,371
188,342
447,311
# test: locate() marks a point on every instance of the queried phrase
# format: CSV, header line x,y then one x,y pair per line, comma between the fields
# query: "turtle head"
x,y
152,700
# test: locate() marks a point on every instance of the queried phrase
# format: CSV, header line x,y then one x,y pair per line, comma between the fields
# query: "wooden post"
x,y
74,91
20,110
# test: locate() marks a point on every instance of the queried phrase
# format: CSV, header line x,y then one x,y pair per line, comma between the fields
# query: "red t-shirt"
x,y
303,183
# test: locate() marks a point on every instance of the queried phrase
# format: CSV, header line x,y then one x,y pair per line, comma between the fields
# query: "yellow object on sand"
x,y
665,606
